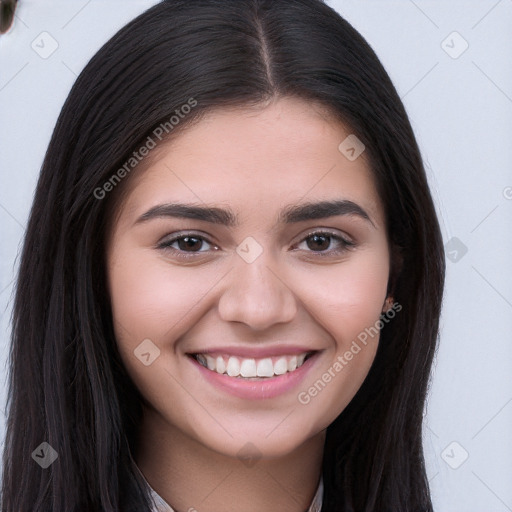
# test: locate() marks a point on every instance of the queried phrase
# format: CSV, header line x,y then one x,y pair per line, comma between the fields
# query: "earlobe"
x,y
387,304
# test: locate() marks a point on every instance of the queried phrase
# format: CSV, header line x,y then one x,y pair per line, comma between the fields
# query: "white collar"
x,y
160,505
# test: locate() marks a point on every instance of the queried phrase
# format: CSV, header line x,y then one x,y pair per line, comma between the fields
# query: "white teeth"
x,y
281,366
265,368
250,368
233,368
210,362
221,365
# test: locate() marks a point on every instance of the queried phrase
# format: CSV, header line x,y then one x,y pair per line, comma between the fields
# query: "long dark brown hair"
x,y
67,384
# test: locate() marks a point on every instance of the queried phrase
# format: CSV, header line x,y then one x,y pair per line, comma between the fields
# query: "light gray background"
x,y
460,105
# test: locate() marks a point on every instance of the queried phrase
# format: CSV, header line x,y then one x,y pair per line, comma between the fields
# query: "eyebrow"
x,y
290,214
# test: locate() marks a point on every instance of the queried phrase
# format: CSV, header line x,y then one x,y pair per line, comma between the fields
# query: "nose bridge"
x,y
256,294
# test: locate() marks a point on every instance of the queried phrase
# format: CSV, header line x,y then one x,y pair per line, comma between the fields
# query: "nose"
x,y
257,296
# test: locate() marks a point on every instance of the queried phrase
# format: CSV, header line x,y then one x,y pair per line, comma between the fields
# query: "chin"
x,y
264,441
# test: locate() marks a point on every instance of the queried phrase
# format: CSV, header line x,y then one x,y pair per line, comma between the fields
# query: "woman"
x,y
182,331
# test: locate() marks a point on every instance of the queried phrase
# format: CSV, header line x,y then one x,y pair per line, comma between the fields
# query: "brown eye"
x,y
321,242
189,243
186,243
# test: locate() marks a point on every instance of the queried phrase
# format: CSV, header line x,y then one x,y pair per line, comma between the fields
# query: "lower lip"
x,y
257,389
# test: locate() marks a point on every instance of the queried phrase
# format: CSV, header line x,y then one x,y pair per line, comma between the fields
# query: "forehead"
x,y
257,159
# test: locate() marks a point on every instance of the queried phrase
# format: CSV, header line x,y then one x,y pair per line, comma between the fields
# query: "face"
x,y
219,257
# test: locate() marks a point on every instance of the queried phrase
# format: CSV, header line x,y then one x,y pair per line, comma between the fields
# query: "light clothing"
x,y
160,505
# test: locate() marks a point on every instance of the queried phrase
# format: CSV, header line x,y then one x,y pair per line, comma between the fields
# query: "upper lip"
x,y
256,352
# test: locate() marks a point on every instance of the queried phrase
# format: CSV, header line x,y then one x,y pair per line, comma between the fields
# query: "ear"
x,y
387,304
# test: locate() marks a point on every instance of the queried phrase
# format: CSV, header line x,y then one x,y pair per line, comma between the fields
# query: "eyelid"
x,y
327,231
346,243
173,237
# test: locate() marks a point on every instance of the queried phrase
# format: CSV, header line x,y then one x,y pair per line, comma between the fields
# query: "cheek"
x,y
349,296
149,300
361,297
347,301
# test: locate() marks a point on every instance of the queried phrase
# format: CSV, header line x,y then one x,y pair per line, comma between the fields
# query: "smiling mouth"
x,y
252,368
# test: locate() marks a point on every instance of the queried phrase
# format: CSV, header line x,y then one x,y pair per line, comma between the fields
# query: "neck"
x,y
191,477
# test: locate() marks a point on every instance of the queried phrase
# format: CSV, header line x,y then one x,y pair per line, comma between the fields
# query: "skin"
x,y
255,162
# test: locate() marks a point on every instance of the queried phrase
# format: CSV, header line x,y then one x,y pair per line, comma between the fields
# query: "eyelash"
x,y
166,244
